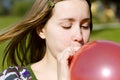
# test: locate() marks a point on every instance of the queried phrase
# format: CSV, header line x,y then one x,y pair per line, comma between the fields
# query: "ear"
x,y
41,33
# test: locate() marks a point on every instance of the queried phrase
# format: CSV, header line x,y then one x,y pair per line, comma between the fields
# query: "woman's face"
x,y
68,26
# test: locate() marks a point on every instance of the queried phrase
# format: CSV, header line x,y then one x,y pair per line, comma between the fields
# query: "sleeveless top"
x,y
18,73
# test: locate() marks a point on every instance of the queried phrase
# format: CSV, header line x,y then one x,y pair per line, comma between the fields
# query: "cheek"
x,y
63,41
63,37
66,39
58,39
86,36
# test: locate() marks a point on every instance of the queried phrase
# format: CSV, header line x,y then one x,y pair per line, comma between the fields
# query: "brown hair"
x,y
25,46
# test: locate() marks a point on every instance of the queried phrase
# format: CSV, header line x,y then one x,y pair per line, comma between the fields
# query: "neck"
x,y
47,66
49,61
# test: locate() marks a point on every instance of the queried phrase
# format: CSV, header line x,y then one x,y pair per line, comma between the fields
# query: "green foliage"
x,y
3,10
21,7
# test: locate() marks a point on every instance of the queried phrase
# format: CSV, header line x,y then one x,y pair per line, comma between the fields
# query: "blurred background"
x,y
106,18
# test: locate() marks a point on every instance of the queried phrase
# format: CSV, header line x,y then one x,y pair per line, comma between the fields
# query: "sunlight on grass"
x,y
107,34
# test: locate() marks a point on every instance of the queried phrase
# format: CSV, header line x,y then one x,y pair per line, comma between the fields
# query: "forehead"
x,y
71,8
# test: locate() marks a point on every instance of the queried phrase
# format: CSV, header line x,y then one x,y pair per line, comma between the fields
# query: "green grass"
x,y
7,21
112,34
2,47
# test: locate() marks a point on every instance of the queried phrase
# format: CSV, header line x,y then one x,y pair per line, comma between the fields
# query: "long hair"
x,y
25,46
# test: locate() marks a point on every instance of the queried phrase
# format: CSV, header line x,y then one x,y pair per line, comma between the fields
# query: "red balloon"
x,y
98,60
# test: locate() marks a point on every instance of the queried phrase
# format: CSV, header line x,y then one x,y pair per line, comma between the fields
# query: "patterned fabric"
x,y
15,73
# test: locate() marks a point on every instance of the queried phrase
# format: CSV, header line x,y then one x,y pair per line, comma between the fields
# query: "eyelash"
x,y
66,27
85,27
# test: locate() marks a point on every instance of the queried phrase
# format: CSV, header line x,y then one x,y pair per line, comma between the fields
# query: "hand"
x,y
63,63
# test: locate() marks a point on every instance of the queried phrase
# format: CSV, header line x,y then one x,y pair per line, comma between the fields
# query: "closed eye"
x,y
66,27
85,27
85,24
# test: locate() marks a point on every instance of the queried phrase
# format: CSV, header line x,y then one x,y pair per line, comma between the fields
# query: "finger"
x,y
65,54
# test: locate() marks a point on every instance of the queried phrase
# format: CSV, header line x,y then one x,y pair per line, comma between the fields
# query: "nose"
x,y
78,37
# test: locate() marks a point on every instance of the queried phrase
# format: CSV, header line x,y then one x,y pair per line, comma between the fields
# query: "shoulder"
x,y
15,73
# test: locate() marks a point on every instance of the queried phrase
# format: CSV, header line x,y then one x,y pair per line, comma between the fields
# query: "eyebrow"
x,y
72,19
85,20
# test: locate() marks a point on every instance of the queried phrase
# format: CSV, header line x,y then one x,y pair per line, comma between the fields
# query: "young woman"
x,y
44,40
